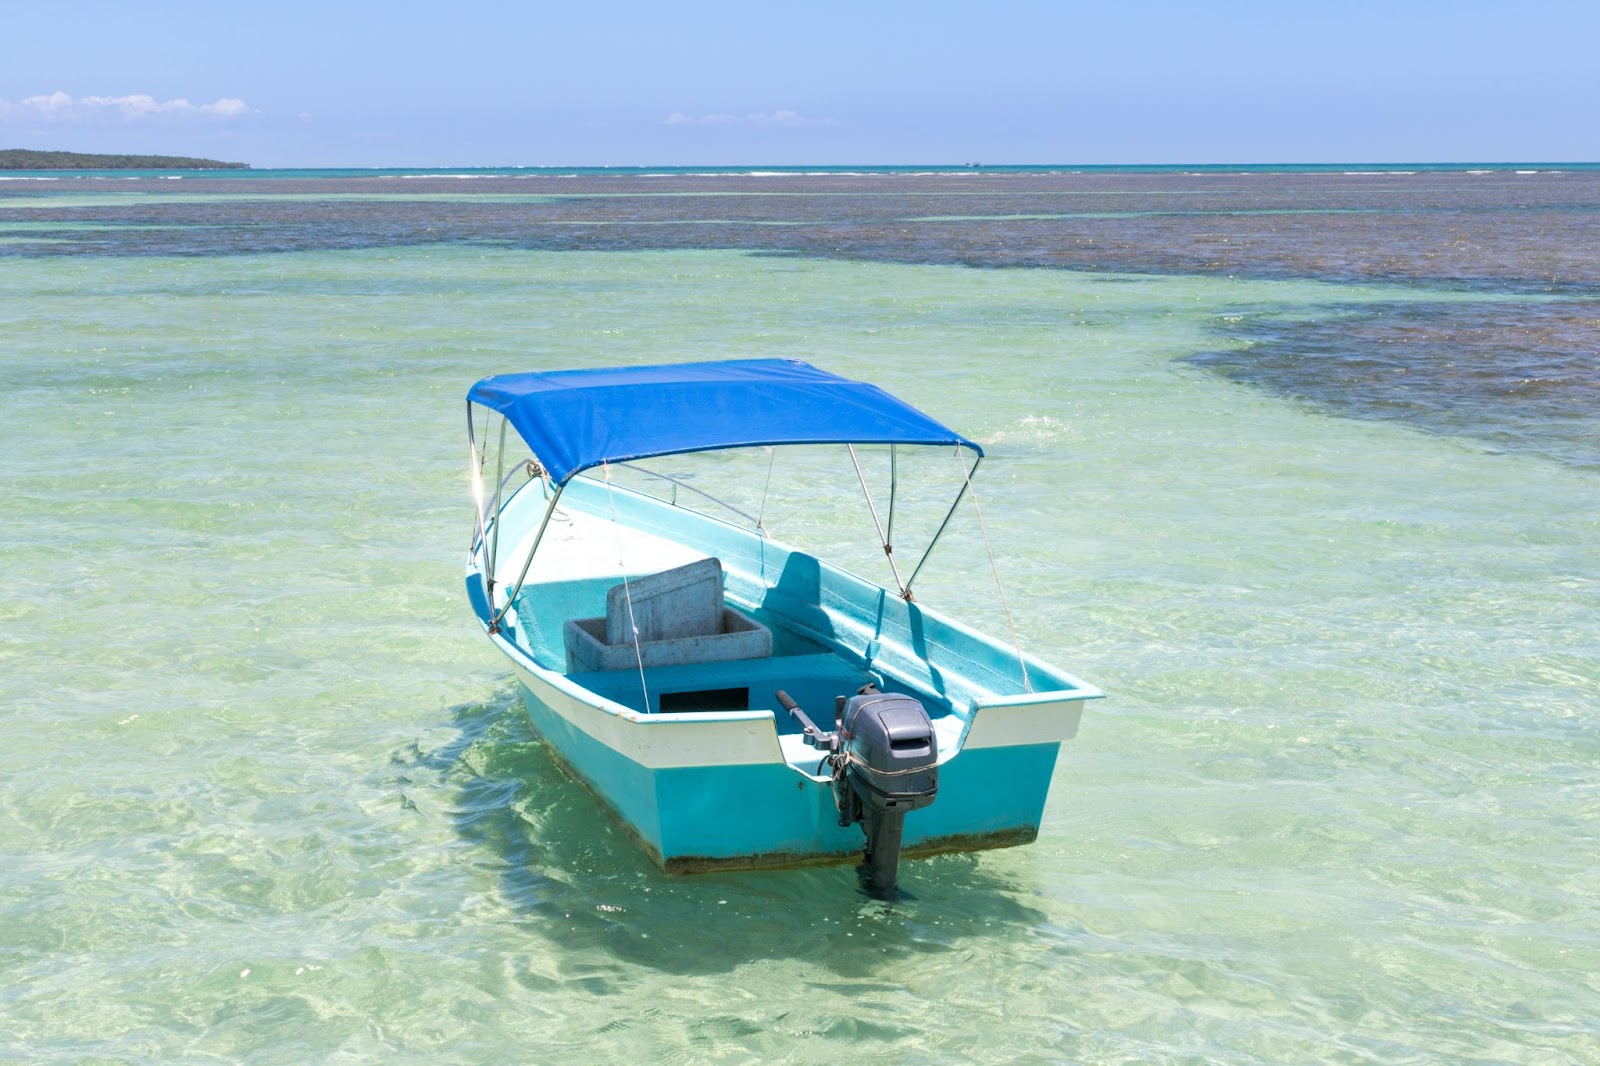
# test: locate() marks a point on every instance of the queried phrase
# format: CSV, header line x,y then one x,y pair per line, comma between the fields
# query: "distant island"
x,y
25,159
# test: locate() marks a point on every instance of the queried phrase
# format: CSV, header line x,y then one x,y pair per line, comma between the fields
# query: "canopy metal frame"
x,y
486,538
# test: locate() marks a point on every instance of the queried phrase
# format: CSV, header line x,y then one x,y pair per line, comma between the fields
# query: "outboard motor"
x,y
892,767
885,763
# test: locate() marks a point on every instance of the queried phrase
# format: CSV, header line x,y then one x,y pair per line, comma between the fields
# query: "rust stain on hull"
x,y
954,842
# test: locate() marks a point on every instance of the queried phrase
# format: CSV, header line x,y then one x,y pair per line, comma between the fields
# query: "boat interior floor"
x,y
675,669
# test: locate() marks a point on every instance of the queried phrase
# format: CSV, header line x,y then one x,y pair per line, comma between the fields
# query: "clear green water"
x,y
267,794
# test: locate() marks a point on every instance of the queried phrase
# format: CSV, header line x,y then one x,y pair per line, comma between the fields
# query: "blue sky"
x,y
295,83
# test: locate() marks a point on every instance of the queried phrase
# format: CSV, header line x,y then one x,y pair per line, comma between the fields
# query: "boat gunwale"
x,y
1076,688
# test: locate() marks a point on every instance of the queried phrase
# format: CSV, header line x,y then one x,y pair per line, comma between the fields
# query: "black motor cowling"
x,y
890,766
885,762
889,739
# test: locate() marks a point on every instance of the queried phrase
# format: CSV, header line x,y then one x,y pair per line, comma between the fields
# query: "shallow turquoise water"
x,y
267,793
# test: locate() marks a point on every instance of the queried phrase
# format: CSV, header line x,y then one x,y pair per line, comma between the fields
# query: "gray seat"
x,y
679,617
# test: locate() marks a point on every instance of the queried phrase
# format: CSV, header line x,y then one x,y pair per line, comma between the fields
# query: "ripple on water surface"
x,y
268,796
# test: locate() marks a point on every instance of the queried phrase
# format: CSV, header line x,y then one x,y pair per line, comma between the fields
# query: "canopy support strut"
x,y
888,547
533,549
966,485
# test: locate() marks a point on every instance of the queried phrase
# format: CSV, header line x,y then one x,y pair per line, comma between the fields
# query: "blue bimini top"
x,y
577,419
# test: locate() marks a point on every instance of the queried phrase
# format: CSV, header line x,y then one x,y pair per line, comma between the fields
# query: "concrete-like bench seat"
x,y
666,619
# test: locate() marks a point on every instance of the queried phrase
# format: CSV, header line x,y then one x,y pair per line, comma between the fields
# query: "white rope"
x,y
1016,642
627,593
852,757
761,512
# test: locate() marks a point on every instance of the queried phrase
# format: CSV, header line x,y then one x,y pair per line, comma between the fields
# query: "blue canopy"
x,y
576,419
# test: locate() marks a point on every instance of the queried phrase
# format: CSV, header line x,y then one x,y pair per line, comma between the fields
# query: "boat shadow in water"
x,y
570,877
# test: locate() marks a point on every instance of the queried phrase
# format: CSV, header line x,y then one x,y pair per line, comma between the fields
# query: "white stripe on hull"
x,y
1004,725
659,741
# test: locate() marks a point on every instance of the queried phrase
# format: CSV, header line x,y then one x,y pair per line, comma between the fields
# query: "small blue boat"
x,y
677,659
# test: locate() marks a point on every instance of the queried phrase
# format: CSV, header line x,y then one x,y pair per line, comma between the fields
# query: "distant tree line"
x,y
26,159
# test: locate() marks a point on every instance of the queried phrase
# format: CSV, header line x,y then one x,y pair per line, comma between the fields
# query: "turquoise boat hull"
x,y
736,786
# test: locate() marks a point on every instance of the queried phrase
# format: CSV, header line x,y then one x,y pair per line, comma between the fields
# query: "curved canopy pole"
x,y
754,520
483,533
485,544
527,562
475,461
888,548
499,488
884,539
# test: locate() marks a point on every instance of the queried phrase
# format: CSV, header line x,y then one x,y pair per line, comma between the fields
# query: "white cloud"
x,y
781,118
63,107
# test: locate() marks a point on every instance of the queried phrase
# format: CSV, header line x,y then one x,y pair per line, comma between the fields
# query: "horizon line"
x,y
955,166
